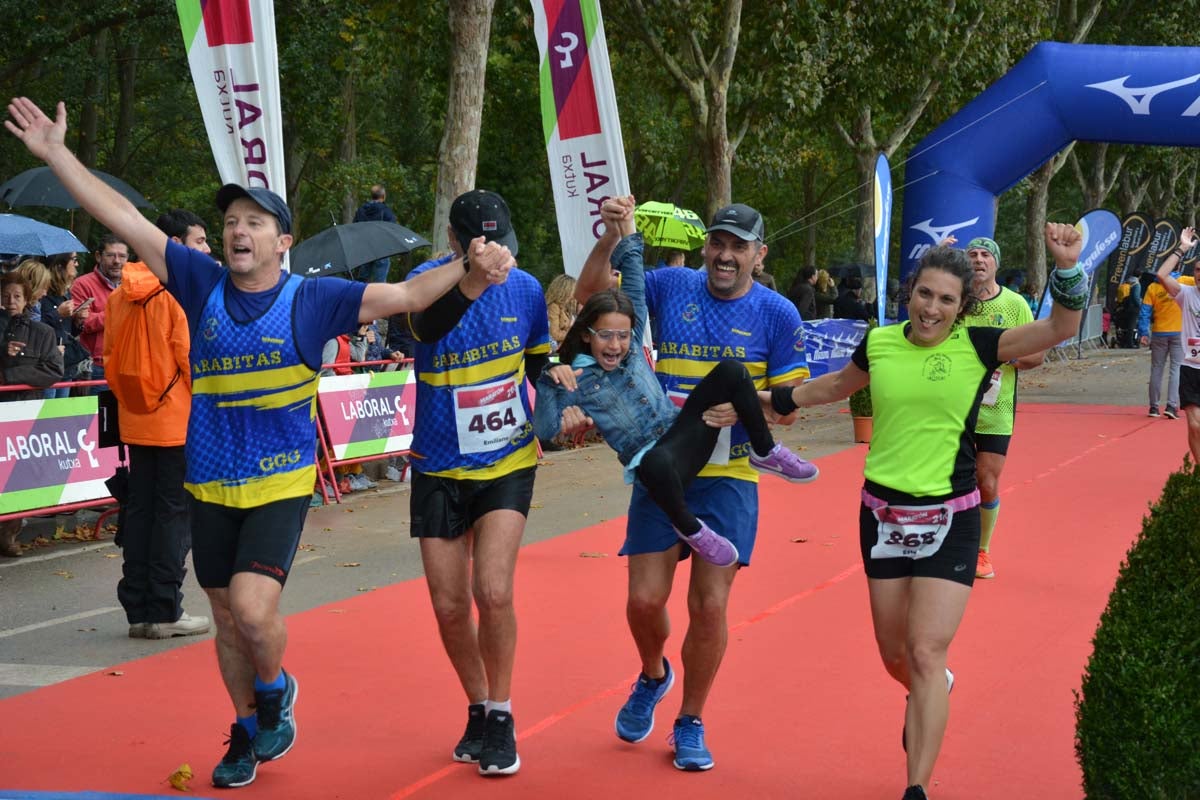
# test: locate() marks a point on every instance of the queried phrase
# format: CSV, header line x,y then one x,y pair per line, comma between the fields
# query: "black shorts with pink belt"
x,y
954,560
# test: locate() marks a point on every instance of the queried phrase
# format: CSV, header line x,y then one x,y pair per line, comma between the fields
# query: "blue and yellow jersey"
x,y
761,329
998,410
252,432
474,420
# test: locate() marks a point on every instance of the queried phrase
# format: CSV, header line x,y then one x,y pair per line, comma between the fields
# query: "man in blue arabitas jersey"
x,y
257,334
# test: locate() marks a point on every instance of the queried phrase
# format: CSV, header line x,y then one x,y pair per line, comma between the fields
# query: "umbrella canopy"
x,y
41,187
344,247
668,225
28,237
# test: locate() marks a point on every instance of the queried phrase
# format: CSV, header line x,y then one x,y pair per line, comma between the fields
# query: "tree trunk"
x,y
458,154
118,161
1131,192
809,189
89,121
718,154
348,150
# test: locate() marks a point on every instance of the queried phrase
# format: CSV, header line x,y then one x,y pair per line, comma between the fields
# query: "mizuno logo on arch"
x,y
1139,98
937,234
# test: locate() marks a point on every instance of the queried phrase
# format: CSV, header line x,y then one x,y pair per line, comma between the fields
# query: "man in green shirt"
x,y
998,308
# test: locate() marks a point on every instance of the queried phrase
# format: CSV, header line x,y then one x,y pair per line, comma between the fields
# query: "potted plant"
x,y
861,414
861,411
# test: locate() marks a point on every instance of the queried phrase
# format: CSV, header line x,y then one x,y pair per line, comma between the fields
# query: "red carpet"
x,y
802,707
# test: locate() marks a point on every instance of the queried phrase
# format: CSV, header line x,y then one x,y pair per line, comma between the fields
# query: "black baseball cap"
x,y
739,219
269,201
482,213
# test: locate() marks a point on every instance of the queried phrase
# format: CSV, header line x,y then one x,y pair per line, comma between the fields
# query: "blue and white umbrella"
x,y
23,236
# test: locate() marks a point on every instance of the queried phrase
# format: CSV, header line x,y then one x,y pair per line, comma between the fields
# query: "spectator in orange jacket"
x,y
154,400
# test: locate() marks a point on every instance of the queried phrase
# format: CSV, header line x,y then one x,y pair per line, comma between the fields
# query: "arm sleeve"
x,y
785,359
987,343
859,356
1144,316
627,258
547,409
535,364
42,363
433,323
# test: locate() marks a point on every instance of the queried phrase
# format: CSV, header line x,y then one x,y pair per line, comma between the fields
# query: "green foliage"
x,y
860,403
1138,711
802,70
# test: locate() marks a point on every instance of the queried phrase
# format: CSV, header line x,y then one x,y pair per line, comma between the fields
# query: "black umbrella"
x,y
40,187
344,247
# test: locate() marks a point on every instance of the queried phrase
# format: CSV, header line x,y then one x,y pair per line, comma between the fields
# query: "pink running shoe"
x,y
786,464
711,546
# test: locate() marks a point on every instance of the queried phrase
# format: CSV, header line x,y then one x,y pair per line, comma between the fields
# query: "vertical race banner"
x,y
1131,252
579,120
235,68
1101,231
1166,237
883,230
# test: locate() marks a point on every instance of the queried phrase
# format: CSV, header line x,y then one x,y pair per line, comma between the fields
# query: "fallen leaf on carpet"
x,y
116,672
593,555
180,777
800,540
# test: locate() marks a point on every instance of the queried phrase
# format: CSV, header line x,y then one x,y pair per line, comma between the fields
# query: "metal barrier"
x,y
1091,333
24,434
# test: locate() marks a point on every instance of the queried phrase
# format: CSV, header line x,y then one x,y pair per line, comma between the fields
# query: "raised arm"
x,y
489,263
46,140
1068,288
1187,240
596,276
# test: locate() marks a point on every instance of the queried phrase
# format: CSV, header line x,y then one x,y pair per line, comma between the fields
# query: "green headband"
x,y
987,244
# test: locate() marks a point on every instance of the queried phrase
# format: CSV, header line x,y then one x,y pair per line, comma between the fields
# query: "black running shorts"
x,y
992,443
445,508
263,539
1189,387
954,560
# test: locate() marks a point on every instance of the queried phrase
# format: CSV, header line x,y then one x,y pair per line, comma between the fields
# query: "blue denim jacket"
x,y
628,404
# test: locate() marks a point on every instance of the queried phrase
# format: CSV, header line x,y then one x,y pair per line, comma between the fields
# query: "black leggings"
x,y
672,464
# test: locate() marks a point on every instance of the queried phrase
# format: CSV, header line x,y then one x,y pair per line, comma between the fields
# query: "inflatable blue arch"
x,y
1057,94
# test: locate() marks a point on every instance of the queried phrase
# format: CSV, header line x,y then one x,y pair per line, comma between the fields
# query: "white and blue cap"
x,y
270,202
739,219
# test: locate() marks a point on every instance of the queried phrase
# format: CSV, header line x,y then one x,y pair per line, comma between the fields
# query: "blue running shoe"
x,y
276,720
688,739
239,764
635,720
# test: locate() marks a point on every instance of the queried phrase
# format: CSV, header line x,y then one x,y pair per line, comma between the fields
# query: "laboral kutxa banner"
x,y
580,121
369,414
235,67
48,454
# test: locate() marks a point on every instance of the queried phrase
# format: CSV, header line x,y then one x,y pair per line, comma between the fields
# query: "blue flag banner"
x,y
1101,232
883,230
829,343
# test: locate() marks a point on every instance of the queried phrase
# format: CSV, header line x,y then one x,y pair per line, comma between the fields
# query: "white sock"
x,y
492,705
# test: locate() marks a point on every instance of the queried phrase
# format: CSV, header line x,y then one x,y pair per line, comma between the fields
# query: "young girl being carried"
x,y
604,381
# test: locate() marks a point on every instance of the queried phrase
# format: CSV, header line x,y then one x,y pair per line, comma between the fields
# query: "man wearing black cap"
x,y
256,339
473,458
704,317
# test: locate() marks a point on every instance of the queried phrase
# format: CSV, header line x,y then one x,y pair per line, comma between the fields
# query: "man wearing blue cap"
x,y
704,316
257,333
998,307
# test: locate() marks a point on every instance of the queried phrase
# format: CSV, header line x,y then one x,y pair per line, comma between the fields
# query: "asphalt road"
x,y
59,615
